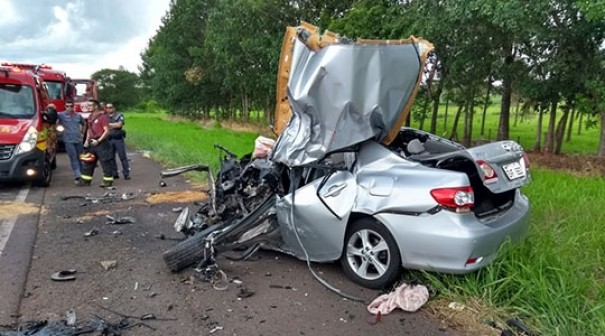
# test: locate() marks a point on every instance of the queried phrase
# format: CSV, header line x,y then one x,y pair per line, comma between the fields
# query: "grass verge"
x,y
179,143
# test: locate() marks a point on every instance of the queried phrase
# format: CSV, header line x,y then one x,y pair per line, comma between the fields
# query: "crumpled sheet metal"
x,y
344,94
407,297
54,328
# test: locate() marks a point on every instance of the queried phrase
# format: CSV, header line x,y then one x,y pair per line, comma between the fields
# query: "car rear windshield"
x,y
16,101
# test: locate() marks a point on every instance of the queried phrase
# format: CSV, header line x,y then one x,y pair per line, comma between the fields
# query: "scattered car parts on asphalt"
x,y
65,275
70,327
91,233
107,197
120,220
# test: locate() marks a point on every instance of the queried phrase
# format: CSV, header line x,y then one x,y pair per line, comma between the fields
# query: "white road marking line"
x,y
7,227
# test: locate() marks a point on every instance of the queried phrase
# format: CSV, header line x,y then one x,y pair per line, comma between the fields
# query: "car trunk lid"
x,y
495,171
501,165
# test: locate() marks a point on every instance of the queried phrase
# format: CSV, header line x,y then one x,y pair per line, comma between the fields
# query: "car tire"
x,y
46,175
187,252
378,263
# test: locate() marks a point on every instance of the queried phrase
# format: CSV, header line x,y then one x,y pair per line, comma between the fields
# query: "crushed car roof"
x,y
333,93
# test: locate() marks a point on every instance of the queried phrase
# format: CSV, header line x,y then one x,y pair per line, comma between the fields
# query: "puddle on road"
x,y
11,209
177,197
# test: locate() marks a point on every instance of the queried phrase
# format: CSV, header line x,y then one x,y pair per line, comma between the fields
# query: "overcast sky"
x,y
78,36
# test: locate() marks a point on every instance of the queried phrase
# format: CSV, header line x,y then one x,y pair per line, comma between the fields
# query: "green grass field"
x,y
555,280
182,143
524,132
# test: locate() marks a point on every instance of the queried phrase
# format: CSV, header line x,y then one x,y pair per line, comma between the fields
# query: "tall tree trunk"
x,y
447,106
549,145
561,131
454,134
570,126
425,109
507,90
269,110
436,101
601,152
485,105
468,122
245,108
517,109
580,122
538,142
465,136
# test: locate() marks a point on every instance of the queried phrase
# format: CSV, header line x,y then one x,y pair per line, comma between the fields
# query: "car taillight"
x,y
460,199
489,174
526,160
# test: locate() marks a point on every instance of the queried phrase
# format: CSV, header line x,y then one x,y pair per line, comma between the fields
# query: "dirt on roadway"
x,y
285,300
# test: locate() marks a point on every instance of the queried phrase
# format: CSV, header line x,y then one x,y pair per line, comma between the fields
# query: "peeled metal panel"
x,y
344,94
282,107
314,41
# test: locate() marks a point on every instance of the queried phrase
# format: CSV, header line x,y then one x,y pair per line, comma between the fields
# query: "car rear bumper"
x,y
448,242
15,168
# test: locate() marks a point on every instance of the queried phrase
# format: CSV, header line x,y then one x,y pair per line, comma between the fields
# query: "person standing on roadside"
x,y
97,142
117,135
72,124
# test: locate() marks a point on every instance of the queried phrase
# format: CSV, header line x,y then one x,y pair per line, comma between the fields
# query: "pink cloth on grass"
x,y
407,297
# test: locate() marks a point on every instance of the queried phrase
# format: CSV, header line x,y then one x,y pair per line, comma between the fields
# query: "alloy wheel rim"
x,y
368,254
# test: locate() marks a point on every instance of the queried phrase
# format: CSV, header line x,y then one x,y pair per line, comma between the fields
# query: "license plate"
x,y
514,170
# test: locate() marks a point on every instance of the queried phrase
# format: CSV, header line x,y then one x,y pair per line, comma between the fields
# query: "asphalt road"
x,y
49,236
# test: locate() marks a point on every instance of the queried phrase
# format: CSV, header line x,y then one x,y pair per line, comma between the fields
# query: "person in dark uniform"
x,y
117,135
99,147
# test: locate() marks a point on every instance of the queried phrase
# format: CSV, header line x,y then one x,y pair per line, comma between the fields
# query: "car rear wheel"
x,y
371,256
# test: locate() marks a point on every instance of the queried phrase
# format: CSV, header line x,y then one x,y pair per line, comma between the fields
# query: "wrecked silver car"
x,y
344,182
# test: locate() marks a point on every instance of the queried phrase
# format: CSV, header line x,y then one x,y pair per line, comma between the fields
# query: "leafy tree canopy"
x,y
120,87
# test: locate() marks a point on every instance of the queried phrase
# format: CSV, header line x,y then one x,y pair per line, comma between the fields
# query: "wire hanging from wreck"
x,y
295,175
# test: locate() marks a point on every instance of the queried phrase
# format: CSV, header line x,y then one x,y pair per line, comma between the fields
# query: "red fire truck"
x,y
28,143
56,81
84,90
61,87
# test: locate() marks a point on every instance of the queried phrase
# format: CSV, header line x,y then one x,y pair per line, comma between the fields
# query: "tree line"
x,y
218,59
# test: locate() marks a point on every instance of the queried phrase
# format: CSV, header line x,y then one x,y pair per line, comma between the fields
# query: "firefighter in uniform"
x,y
99,147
